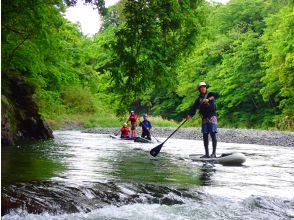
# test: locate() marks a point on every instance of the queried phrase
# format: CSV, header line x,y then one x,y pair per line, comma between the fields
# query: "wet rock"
x,y
58,197
20,119
6,126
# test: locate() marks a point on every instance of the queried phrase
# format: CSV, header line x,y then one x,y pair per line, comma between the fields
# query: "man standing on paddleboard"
x,y
133,119
146,126
207,109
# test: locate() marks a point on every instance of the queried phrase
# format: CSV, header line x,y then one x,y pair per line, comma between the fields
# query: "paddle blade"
x,y
155,151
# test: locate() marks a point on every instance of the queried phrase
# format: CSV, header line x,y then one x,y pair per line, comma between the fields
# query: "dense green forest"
x,y
149,57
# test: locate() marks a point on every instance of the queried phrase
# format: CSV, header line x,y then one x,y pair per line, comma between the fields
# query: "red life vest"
x,y
125,132
133,119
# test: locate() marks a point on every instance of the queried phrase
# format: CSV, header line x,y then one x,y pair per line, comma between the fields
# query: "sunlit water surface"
x,y
91,176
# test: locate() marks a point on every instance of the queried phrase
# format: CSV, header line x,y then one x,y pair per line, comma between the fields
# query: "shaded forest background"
x,y
149,57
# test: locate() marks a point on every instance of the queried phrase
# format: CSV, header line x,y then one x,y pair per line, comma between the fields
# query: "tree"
x,y
279,62
148,43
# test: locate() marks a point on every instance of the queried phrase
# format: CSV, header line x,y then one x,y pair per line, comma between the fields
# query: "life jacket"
x,y
133,119
125,132
145,125
207,109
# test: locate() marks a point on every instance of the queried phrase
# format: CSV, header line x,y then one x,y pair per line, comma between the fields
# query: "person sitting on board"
x,y
133,119
125,131
146,126
207,109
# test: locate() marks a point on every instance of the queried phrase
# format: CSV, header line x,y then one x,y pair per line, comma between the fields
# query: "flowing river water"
x,y
91,176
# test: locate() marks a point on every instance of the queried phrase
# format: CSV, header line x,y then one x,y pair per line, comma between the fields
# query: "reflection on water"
x,y
28,162
206,172
93,176
139,167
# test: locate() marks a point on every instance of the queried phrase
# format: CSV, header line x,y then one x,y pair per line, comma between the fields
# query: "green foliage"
x,y
27,27
77,99
249,64
158,121
150,56
146,45
99,4
53,57
50,103
279,63
164,104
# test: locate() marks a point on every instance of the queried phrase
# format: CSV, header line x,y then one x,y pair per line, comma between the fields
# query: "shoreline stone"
x,y
228,135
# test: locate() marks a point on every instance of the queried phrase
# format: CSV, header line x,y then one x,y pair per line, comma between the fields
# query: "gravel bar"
x,y
228,135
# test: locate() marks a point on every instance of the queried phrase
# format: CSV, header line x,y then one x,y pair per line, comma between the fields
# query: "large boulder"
x,y
20,119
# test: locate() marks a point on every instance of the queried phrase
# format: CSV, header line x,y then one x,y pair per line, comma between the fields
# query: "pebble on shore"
x,y
228,135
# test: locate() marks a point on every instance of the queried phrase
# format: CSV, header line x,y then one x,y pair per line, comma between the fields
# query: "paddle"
x,y
149,131
155,151
117,133
154,137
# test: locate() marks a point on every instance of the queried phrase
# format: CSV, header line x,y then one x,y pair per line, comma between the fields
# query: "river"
x,y
91,176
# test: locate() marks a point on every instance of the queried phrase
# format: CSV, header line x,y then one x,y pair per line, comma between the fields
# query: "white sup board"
x,y
114,137
119,138
226,159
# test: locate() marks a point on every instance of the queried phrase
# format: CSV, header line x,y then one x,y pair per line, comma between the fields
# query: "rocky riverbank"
x,y
243,136
20,118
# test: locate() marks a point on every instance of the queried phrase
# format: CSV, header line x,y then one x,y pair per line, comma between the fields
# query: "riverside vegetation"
x,y
148,57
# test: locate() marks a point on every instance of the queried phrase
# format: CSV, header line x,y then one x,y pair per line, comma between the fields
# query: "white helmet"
x,y
201,84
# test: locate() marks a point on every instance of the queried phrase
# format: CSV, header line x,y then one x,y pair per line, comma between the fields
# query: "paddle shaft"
x,y
175,130
155,151
117,133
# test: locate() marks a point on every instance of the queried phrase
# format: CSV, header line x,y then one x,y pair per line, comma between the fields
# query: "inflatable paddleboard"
x,y
142,140
114,137
119,138
224,159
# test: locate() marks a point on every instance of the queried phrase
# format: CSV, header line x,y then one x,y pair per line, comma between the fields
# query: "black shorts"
x,y
133,127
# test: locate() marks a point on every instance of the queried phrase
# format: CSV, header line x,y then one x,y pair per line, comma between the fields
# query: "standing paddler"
x,y
146,126
207,109
133,119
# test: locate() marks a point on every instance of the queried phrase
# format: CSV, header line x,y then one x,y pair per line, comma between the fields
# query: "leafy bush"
x,y
49,103
77,99
158,121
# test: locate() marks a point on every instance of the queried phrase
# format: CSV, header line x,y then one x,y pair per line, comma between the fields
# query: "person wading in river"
x,y
133,119
146,126
207,109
